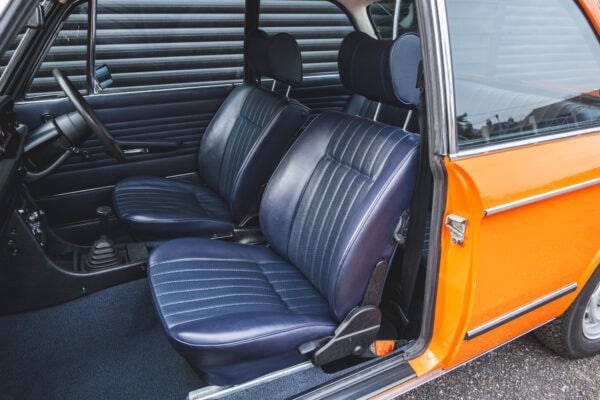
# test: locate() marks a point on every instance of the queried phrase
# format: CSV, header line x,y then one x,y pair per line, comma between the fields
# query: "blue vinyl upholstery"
x,y
230,308
159,206
330,207
329,213
238,153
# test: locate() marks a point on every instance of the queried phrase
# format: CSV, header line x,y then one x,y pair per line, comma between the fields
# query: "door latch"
x,y
457,227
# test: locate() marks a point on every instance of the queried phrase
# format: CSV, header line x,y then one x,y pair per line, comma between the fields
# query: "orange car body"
x,y
532,216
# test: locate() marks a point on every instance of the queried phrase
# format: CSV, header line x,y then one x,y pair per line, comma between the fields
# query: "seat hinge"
x,y
357,332
354,336
457,226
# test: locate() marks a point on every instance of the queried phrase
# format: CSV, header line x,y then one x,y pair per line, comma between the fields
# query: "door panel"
x,y
180,114
523,252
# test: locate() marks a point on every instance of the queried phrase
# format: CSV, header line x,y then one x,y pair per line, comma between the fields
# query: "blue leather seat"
x,y
238,153
328,213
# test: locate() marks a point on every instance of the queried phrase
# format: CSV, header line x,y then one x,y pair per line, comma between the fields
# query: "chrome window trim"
x,y
217,84
437,66
450,103
539,197
494,148
519,312
176,89
91,47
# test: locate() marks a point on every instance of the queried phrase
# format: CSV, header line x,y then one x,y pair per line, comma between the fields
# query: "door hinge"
x,y
457,227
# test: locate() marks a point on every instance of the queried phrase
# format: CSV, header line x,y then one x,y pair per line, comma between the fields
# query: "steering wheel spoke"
x,y
90,117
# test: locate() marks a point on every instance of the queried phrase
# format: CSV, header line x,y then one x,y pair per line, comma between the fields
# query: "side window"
x,y
67,53
522,69
392,18
151,44
10,51
318,25
156,44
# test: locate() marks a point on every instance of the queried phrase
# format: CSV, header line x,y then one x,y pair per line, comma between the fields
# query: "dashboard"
x,y
12,138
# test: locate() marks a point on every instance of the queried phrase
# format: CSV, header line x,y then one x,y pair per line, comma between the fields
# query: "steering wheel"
x,y
88,114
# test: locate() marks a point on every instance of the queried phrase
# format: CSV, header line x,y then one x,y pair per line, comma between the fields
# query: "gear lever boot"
x,y
103,253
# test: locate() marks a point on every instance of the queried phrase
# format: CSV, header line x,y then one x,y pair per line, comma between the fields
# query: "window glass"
x,y
318,25
157,44
67,53
150,44
382,15
522,69
153,44
10,51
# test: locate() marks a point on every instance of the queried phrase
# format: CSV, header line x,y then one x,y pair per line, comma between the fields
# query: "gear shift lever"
x,y
104,213
103,253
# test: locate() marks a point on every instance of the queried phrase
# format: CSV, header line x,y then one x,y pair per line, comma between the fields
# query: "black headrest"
x,y
276,57
386,71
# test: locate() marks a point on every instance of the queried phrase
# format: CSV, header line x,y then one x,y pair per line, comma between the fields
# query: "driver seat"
x,y
329,214
238,153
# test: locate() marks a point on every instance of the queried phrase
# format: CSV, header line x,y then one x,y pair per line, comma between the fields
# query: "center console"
x,y
39,269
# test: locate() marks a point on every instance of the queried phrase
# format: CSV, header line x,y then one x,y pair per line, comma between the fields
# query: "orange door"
x,y
532,234
523,172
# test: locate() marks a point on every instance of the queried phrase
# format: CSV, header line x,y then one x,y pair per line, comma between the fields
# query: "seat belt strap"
x,y
405,269
411,258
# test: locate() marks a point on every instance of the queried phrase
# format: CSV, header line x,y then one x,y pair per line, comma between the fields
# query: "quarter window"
x,y
522,69
387,13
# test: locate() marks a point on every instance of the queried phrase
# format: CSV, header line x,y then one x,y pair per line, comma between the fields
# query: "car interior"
x,y
240,240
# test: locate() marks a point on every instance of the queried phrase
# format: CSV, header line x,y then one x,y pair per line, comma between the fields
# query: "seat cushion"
x,y
158,207
234,311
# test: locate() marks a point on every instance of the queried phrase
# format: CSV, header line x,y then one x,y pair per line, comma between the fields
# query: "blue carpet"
x,y
108,345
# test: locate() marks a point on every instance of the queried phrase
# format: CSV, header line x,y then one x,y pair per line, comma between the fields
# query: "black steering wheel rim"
x,y
90,117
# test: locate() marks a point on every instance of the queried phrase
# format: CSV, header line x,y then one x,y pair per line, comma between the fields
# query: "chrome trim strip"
x,y
437,71
457,155
539,197
411,385
181,175
448,77
438,373
117,92
91,47
519,312
74,192
217,392
98,188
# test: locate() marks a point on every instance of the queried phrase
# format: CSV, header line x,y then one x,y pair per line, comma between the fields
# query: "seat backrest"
x,y
253,127
334,201
387,114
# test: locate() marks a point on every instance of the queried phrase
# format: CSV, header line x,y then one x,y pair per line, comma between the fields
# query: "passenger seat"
x,y
238,153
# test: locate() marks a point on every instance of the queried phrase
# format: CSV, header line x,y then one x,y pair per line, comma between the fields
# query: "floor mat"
x,y
106,345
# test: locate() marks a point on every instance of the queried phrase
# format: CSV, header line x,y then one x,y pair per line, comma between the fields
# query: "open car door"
x,y
521,222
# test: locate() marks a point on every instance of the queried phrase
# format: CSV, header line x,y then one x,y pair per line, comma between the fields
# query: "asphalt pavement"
x,y
523,369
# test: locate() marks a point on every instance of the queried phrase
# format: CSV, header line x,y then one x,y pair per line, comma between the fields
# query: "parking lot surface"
x,y
523,369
